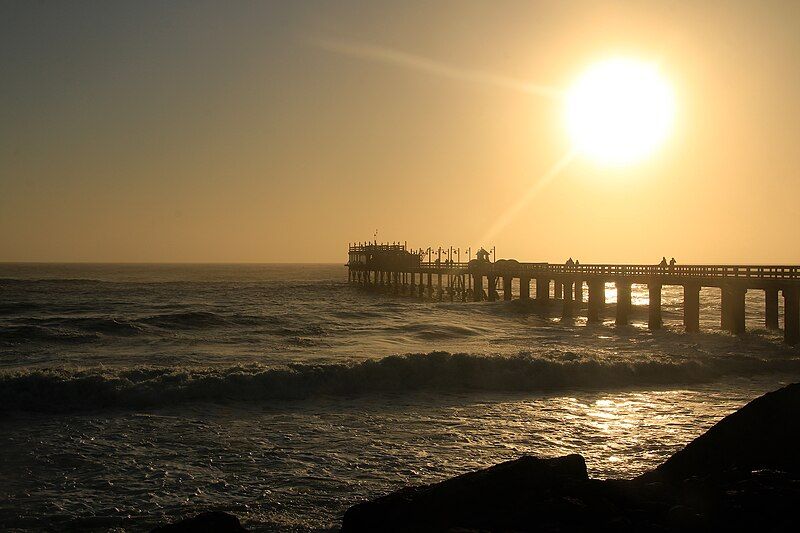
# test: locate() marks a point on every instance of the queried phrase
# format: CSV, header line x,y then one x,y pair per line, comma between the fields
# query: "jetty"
x,y
402,271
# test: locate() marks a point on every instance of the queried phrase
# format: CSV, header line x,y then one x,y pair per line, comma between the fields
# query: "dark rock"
x,y
761,435
741,475
208,522
483,499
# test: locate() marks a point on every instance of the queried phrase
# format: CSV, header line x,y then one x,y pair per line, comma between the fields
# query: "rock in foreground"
x,y
741,475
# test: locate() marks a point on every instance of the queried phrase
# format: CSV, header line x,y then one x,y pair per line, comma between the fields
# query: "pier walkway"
x,y
402,271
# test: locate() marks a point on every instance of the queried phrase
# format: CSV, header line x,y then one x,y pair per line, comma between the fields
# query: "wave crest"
x,y
54,390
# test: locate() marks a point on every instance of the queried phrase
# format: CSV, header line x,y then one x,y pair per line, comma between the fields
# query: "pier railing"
x,y
755,272
683,271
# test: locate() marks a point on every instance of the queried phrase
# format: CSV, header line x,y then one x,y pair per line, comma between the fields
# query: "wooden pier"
x,y
395,268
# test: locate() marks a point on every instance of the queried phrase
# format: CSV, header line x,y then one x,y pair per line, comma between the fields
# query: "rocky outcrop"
x,y
764,434
741,475
484,499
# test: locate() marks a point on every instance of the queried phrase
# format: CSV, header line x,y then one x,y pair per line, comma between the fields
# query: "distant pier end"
x,y
395,268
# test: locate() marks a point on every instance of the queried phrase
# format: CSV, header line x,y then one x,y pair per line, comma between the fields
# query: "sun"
x,y
619,111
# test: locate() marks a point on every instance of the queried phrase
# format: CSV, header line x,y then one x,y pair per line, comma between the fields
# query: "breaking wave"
x,y
70,329
62,390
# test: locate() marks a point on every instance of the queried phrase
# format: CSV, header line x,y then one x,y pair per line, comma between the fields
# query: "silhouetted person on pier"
x,y
482,255
672,264
577,263
570,263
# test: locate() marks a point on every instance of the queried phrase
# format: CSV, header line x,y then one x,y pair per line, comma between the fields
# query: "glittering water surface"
x,y
131,395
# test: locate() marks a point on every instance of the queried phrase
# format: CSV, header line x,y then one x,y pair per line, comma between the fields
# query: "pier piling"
x,y
691,307
597,301
791,315
654,320
771,308
524,288
623,302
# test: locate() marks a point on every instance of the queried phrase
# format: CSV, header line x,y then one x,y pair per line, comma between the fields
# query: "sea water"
x,y
131,395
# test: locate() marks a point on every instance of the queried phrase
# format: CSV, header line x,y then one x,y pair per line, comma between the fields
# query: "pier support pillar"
x,y
724,307
566,310
421,285
623,302
507,288
477,284
691,307
733,308
430,286
739,307
558,290
654,320
524,288
412,283
579,292
597,300
542,290
791,315
771,308
491,283
440,294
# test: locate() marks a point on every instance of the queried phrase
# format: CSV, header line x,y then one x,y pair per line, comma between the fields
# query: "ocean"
x,y
133,395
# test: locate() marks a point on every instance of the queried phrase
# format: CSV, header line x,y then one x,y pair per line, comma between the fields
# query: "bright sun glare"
x,y
619,111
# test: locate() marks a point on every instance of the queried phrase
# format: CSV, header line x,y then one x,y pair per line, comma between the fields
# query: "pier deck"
x,y
402,271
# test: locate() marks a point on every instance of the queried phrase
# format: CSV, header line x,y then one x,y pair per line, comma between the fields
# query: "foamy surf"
x,y
64,390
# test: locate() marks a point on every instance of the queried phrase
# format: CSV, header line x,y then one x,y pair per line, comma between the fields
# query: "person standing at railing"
x,y
663,264
569,264
672,265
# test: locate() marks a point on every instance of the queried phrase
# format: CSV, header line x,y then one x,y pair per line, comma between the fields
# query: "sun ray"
x,y
424,64
508,215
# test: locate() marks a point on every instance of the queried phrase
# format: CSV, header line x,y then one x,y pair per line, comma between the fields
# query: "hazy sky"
x,y
266,131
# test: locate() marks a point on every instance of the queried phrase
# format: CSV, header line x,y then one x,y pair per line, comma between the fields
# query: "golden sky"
x,y
266,132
